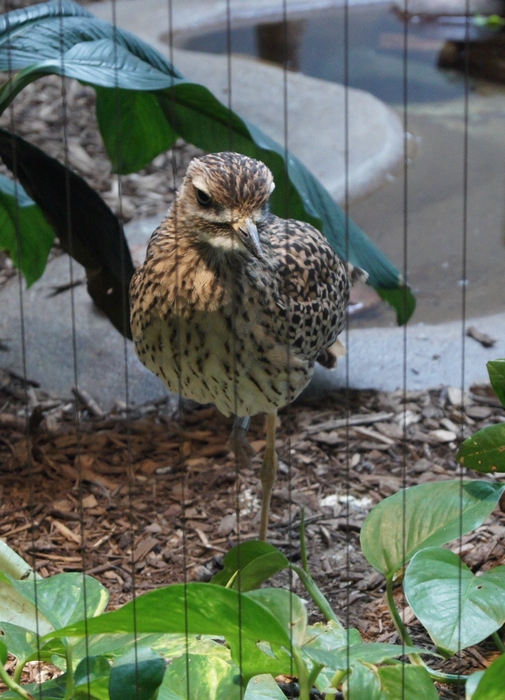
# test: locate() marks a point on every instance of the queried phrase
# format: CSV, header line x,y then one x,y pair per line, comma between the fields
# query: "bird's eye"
x,y
202,197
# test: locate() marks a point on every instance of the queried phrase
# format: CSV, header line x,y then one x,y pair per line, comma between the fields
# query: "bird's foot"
x,y
240,444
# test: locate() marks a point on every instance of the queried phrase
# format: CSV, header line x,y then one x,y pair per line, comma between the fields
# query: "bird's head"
x,y
224,199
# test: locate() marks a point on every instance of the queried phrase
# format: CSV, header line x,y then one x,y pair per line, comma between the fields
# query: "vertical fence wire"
x,y
347,391
405,212
464,282
180,404
285,214
32,498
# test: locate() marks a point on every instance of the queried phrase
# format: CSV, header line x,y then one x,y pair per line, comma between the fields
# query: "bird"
x,y
233,305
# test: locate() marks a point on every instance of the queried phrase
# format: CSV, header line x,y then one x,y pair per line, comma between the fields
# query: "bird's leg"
x,y
267,473
239,442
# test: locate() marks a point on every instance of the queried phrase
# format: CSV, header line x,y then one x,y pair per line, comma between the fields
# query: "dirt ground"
x,y
149,496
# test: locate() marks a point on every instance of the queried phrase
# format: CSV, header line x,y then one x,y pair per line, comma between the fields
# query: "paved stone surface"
x,y
316,108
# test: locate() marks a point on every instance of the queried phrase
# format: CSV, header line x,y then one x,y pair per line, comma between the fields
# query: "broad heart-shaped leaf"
x,y
426,515
457,608
263,687
370,653
86,227
491,685
194,608
496,371
257,561
204,676
389,683
137,675
485,450
192,112
24,233
64,598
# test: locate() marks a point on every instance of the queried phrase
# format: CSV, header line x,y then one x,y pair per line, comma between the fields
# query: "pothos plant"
x,y
143,104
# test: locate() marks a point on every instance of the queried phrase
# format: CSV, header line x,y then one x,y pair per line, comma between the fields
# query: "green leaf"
x,y
24,233
137,675
457,608
258,561
491,686
426,515
205,676
133,127
22,643
171,646
401,299
365,652
485,450
330,635
263,687
195,608
65,598
496,371
43,31
288,610
91,678
389,683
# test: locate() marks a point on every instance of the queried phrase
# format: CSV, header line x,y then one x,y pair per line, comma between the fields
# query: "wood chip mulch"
x,y
144,498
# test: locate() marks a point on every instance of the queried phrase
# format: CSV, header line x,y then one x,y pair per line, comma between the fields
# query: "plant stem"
x,y
314,673
315,593
303,676
406,639
499,642
303,544
69,688
398,622
338,678
11,683
16,676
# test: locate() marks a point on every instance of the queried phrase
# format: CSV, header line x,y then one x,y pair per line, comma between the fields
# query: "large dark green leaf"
x,y
96,53
86,227
47,30
137,675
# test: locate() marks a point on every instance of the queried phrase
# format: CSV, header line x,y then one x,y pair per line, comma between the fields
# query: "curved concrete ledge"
x,y
316,114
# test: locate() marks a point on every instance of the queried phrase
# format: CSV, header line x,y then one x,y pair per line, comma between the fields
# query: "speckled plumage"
x,y
233,305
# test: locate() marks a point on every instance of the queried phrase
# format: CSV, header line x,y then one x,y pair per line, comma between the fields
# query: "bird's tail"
x,y
356,274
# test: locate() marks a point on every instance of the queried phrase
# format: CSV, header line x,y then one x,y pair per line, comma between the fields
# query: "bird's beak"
x,y
247,231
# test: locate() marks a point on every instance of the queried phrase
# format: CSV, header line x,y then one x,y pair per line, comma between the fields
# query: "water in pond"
x,y
430,202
